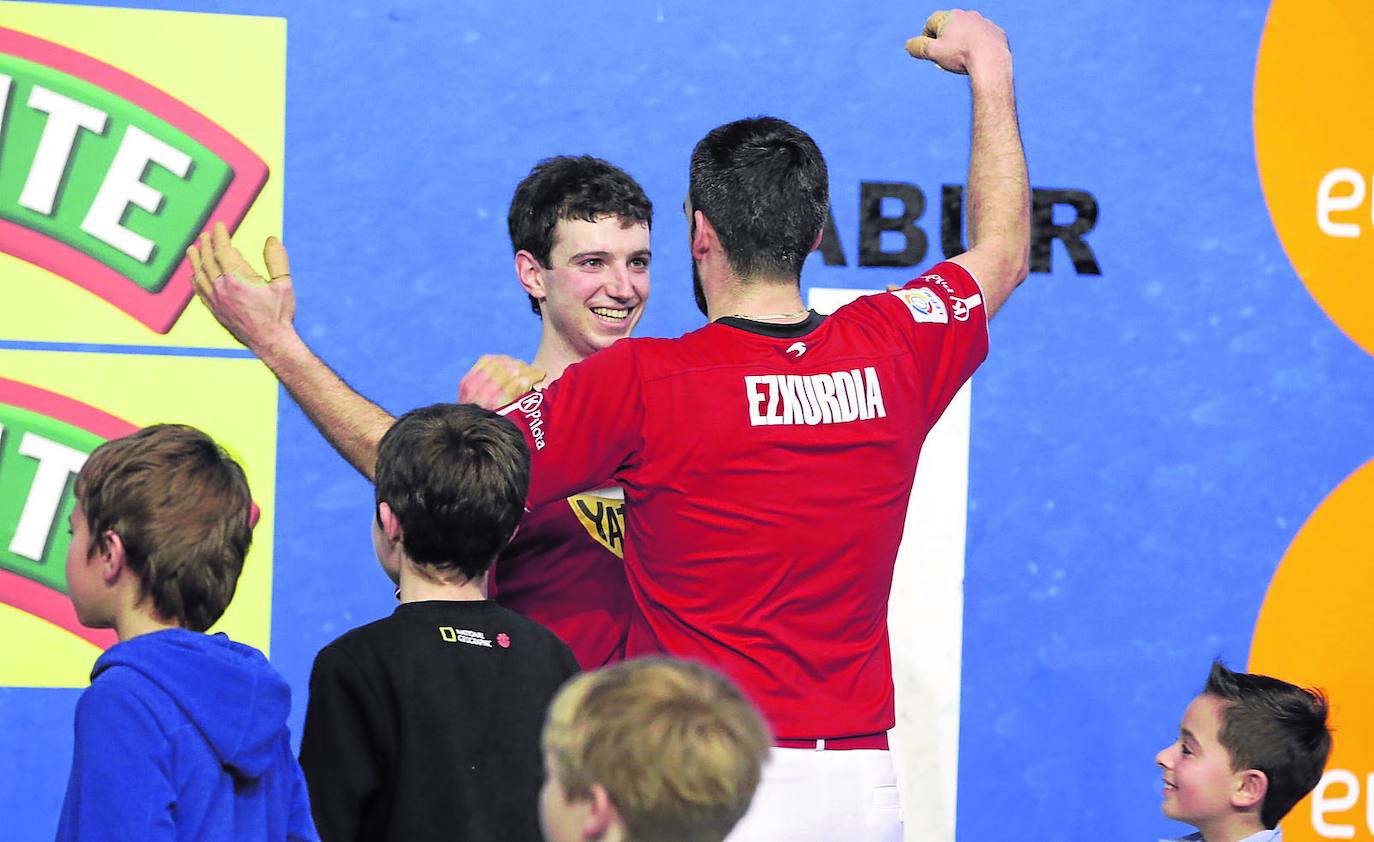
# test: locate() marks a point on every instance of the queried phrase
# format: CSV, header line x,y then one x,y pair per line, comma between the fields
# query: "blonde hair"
x,y
676,745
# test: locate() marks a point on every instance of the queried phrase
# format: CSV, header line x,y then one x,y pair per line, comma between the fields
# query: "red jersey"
x,y
564,570
766,471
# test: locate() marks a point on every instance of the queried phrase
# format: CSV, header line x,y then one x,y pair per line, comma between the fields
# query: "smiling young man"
x,y
579,228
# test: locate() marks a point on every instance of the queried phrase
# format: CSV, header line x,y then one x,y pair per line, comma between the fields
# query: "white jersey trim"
x,y
987,323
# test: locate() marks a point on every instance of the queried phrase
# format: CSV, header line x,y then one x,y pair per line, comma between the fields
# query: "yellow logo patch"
x,y
603,518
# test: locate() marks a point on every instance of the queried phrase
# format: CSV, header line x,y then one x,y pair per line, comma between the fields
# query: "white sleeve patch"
x,y
924,304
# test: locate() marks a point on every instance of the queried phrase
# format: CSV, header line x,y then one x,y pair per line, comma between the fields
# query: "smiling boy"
x,y
1249,748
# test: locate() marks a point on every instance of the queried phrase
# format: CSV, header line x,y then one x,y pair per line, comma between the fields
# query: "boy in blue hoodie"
x,y
181,735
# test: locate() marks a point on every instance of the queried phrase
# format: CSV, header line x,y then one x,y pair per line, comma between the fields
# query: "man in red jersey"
x,y
579,228
769,456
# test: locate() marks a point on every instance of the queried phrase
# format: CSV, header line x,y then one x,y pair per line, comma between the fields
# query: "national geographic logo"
x,y
890,233
105,179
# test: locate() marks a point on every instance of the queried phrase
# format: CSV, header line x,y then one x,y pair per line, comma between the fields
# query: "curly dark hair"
x,y
571,187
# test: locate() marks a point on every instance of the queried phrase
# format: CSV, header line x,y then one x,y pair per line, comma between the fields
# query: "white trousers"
x,y
824,796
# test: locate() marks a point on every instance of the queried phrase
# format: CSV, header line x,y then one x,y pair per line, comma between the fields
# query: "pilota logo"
x,y
46,440
105,179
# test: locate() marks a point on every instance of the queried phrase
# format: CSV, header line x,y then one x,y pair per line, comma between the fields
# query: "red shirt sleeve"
x,y
585,427
941,317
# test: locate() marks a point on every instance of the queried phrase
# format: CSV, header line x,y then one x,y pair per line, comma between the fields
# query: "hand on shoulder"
x,y
496,380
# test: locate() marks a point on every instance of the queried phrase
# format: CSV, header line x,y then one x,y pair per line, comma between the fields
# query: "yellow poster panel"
x,y
126,133
57,406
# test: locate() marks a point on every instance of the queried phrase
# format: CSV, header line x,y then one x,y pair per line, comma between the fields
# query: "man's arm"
x,y
259,314
997,201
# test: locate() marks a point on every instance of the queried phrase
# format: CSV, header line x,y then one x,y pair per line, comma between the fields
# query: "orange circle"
x,y
1314,120
1315,629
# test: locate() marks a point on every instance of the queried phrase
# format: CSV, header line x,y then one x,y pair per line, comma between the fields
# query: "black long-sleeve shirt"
x,y
425,725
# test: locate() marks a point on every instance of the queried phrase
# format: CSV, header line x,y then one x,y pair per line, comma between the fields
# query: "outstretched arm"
x,y
259,314
998,195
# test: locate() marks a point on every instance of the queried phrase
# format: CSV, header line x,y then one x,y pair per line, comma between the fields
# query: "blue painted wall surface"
x,y
1145,443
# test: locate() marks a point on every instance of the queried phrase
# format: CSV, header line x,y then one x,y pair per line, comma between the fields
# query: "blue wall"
x,y
1135,475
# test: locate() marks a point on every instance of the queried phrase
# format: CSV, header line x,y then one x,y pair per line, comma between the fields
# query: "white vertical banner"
x,y
926,617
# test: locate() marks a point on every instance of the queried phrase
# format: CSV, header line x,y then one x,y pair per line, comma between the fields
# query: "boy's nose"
x,y
1161,758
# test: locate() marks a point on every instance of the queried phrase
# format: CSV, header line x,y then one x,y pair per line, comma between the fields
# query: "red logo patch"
x,y
503,640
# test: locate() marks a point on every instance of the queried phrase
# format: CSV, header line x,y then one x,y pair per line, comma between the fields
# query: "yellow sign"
x,y
234,401
121,137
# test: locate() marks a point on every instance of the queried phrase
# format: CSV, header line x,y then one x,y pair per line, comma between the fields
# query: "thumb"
x,y
274,255
919,47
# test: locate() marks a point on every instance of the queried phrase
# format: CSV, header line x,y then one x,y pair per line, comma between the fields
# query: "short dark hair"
x,y
762,183
1275,727
456,476
571,187
181,506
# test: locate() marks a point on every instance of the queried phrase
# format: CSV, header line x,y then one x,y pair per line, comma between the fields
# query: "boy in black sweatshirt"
x,y
425,725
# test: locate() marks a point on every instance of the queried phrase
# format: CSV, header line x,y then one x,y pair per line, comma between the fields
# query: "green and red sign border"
x,y
25,594
157,311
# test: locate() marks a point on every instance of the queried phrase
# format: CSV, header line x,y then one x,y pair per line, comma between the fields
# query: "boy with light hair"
x,y
182,735
650,750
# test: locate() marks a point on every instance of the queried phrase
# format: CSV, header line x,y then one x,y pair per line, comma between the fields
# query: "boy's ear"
x,y
391,525
112,556
603,813
1251,787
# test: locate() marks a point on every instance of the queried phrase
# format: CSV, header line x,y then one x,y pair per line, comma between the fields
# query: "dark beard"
x,y
697,291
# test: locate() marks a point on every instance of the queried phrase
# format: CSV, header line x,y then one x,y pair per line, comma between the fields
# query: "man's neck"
x,y
419,586
763,299
554,356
